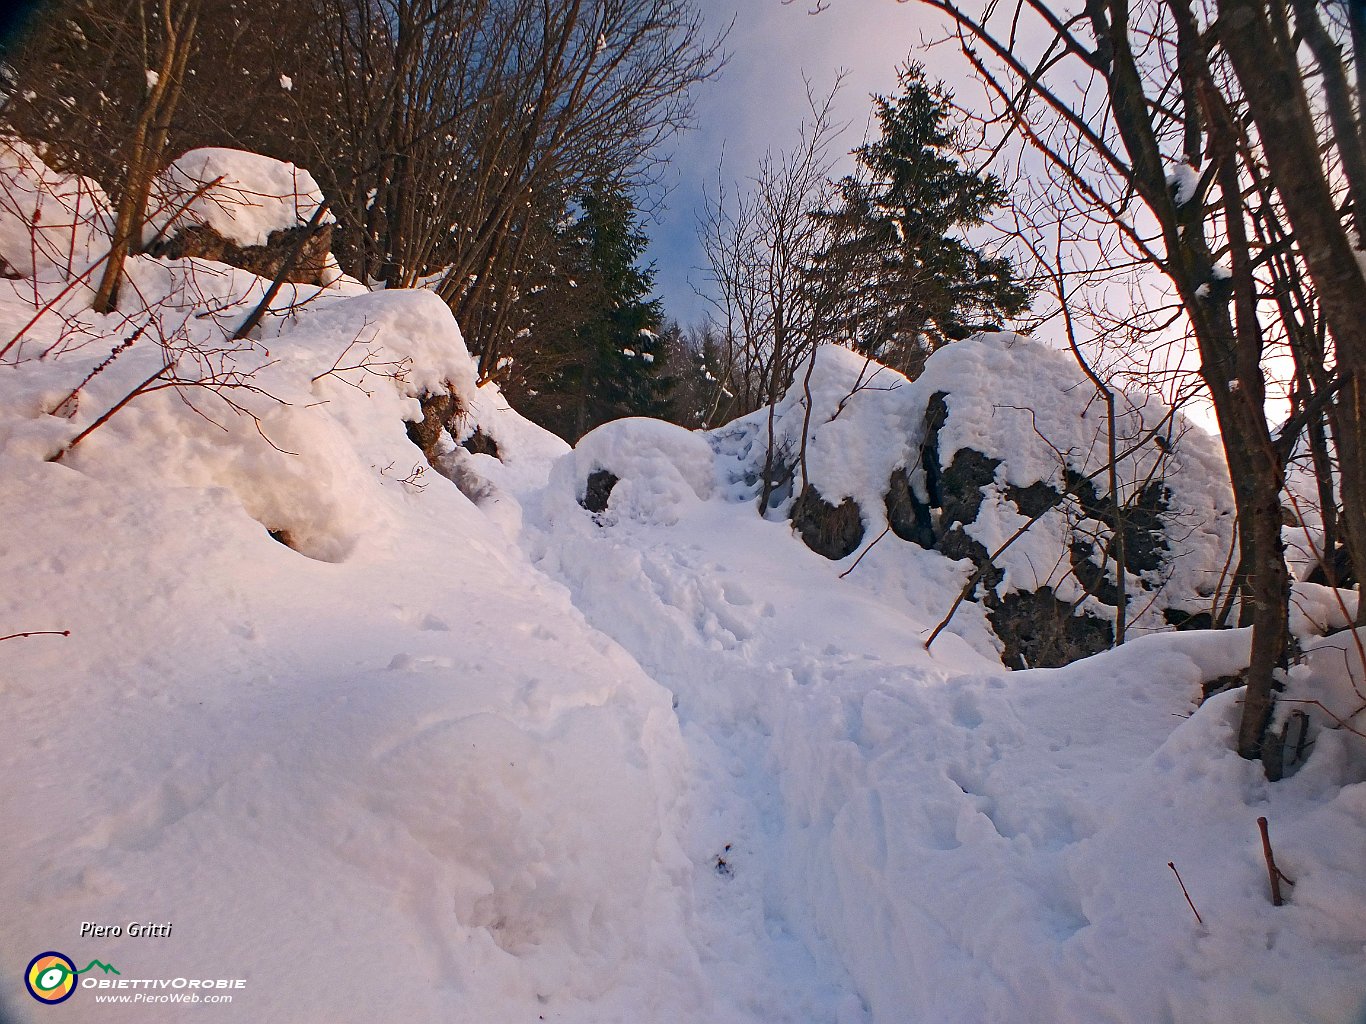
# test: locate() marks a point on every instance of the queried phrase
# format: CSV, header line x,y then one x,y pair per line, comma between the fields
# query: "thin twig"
x,y
865,551
1184,893
37,632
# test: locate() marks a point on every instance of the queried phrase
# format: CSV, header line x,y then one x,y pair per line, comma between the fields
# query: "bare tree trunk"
x,y
1279,106
147,144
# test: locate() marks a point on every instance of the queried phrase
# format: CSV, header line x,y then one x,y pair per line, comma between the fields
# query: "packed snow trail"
x,y
961,843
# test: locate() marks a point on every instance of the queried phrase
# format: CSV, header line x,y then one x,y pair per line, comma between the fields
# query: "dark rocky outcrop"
x,y
936,415
908,516
982,474
1145,536
1035,500
203,242
1092,575
1041,631
1221,684
959,490
1184,620
954,499
443,413
598,490
1335,570
1037,628
440,410
834,531
956,544
480,443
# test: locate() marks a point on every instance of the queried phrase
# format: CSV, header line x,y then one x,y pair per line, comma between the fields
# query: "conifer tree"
x,y
898,279
616,364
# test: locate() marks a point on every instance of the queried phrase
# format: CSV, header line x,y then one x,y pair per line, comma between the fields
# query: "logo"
x,y
51,977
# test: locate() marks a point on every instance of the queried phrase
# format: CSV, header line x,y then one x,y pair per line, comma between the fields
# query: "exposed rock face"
x,y
1037,627
907,515
598,491
939,504
1141,520
243,209
996,457
959,492
480,443
440,410
1034,500
834,531
310,266
1041,631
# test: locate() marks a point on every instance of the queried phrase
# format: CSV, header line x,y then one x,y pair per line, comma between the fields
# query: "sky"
x,y
758,102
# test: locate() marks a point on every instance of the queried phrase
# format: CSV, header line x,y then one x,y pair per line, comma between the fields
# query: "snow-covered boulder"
x,y
243,209
999,432
639,469
1013,435
52,225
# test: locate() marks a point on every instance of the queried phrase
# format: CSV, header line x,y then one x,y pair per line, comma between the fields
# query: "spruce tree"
x,y
898,278
614,361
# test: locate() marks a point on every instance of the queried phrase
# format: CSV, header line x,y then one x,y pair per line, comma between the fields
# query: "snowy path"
x,y
881,834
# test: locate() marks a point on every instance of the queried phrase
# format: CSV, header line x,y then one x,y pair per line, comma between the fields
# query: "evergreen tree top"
x,y
898,277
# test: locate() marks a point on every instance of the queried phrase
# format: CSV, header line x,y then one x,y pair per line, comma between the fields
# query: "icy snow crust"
x,y
469,752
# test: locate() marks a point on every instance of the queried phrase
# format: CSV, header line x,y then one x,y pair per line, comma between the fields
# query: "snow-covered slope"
x,y
399,776
970,845
389,743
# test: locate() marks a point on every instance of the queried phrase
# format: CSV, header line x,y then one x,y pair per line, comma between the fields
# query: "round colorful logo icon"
x,y
51,977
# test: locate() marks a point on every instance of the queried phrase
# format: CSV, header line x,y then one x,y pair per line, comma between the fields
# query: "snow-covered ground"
x,y
472,753
969,845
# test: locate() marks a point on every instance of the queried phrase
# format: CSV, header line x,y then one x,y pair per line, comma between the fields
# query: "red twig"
x,y
865,551
1184,893
37,632
1275,874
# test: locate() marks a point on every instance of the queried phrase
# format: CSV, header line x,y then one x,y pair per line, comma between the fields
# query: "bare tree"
x,y
459,121
146,145
760,246
448,135
1152,118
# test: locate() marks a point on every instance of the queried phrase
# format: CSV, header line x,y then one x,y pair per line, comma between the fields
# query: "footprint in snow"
x,y
417,663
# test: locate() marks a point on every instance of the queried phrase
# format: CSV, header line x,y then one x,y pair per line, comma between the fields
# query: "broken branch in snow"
x,y
1274,873
37,632
291,258
1198,918
865,551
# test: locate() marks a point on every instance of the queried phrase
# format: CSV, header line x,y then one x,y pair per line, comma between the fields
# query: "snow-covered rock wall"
x,y
1002,436
243,209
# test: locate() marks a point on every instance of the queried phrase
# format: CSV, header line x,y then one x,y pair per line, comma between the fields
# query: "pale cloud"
x,y
759,102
